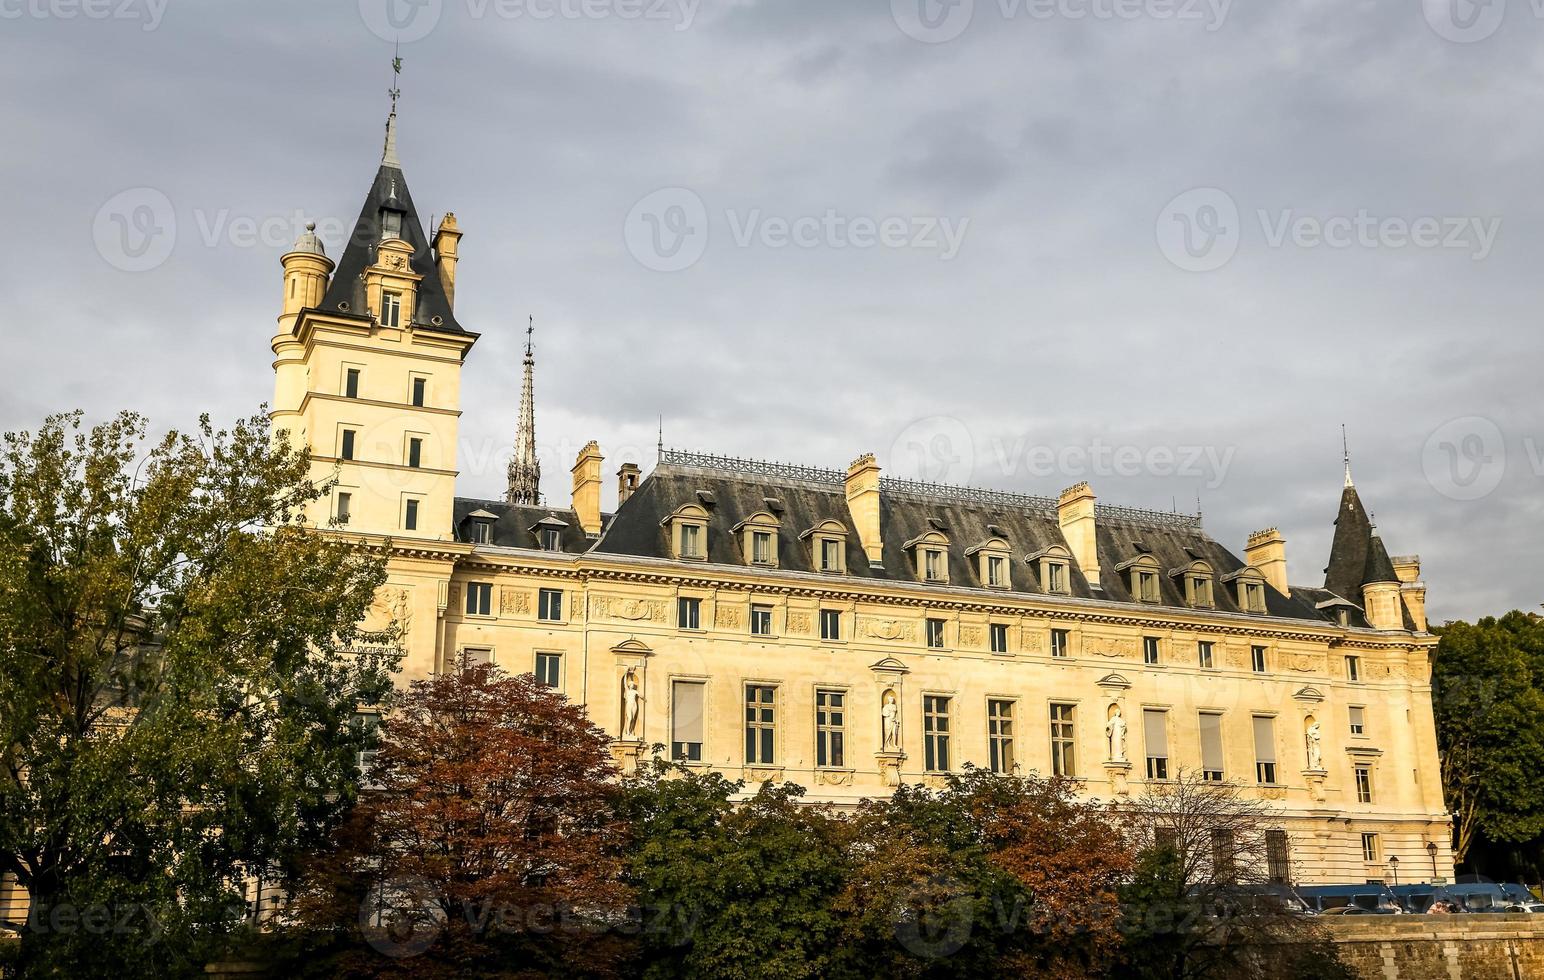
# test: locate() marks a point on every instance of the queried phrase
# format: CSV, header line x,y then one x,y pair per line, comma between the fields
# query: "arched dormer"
x,y
930,556
1250,583
828,546
1053,569
1196,578
758,536
1142,579
992,558
688,528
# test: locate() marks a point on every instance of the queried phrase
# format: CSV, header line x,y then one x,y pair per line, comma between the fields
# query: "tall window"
x,y
761,547
830,555
830,624
1063,740
760,724
1155,730
1204,651
999,633
346,450
549,539
1363,784
1353,668
1059,643
1211,746
549,669
691,541
1147,586
1265,750
1149,649
935,634
549,605
345,502
1257,659
479,598
999,735
420,392
391,309
1056,577
410,515
686,721
689,613
415,452
1200,591
996,571
761,620
830,723
933,565
1370,848
1277,863
351,383
1254,597
1358,720
1222,856
935,733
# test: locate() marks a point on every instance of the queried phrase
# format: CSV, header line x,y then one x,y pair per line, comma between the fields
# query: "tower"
x,y
1360,570
524,469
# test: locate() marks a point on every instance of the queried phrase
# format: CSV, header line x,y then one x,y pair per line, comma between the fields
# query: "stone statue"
x,y
890,711
1116,730
1315,747
631,702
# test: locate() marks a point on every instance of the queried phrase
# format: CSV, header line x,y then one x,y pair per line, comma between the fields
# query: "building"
x,y
849,631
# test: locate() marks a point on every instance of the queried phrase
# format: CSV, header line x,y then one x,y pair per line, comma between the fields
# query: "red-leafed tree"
x,y
487,843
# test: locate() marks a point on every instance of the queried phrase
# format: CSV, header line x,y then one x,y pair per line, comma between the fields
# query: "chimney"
x,y
1411,588
587,488
1267,551
1075,514
627,482
447,245
863,505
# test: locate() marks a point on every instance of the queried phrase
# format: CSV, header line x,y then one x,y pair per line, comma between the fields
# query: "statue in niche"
x,y
1314,741
1115,728
890,713
631,703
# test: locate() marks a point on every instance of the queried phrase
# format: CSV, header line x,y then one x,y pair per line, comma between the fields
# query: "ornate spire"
x,y
1345,445
524,470
389,154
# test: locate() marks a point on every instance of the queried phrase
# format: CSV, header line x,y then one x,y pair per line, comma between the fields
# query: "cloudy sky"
x,y
1167,246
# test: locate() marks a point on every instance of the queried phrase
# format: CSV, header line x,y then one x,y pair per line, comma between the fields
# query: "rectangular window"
x,y
1370,848
1063,740
549,669
761,547
1147,586
351,383
346,450
549,605
996,571
935,634
999,735
479,598
1201,591
761,620
830,555
1254,597
368,722
686,721
932,562
691,541
999,633
1353,668
410,515
1363,784
1277,861
1222,856
1059,643
1257,659
1155,732
689,613
420,391
760,724
1358,720
415,452
1149,649
830,624
1056,577
1265,750
1211,746
1204,651
550,537
482,531
345,502
935,733
391,309
830,723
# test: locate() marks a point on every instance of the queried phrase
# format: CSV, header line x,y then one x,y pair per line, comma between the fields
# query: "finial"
x,y
389,154
530,328
660,446
1345,446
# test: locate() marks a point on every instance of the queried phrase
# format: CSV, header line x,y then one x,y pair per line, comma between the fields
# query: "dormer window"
x,y
1141,577
479,526
930,553
1197,580
932,565
391,224
1053,567
992,557
688,528
691,541
1250,583
391,309
996,572
549,533
758,539
828,547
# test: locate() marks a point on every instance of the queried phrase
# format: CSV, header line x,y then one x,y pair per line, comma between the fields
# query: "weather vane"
x,y
396,70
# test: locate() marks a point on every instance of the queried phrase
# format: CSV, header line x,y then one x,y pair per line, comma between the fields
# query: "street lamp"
x,y
1394,864
1431,849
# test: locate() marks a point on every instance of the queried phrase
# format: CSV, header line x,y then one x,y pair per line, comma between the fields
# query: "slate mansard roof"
x,y
512,524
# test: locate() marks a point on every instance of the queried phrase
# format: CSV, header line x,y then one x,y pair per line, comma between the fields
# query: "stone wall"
x,y
1441,947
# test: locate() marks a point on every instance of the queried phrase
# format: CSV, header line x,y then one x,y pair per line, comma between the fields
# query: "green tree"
x,y
175,710
1488,696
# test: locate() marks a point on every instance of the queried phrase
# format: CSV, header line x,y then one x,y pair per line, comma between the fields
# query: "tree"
x,y
174,708
1488,697
487,845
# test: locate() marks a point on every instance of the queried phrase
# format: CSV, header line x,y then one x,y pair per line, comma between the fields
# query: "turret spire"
x,y
524,470
1345,445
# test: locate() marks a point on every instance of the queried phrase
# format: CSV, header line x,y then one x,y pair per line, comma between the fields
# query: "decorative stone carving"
x,y
763,774
627,755
729,617
514,602
970,636
455,596
1313,740
395,608
890,768
1118,773
834,777
1115,733
1110,646
632,704
890,722
1235,656
1306,664
798,622
1032,640
629,609
889,629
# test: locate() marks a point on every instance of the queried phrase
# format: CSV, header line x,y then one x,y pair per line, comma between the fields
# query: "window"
x,y
1222,856
1056,577
686,721
1211,747
689,532
369,723
415,452
1277,865
1155,731
689,613
1353,668
999,735
482,531
351,383
933,565
1370,848
830,555
391,223
830,624
935,634
1204,651
1147,587
999,633
1059,643
1254,597
761,620
830,720
410,515
1149,649
935,733
1200,588
479,599
1364,784
391,309
1358,720
761,547
760,724
346,450
1063,740
549,669
996,571
549,605
691,541
549,539
1343,617
1257,659
420,392
1265,750
345,502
